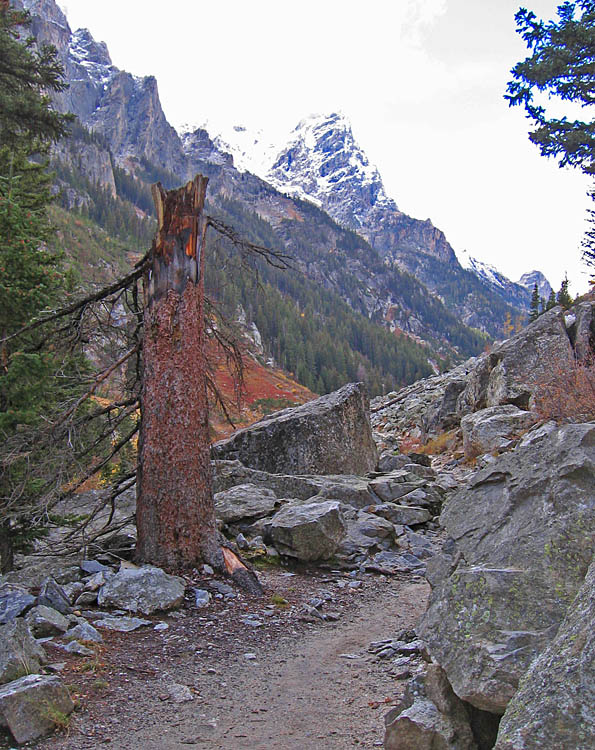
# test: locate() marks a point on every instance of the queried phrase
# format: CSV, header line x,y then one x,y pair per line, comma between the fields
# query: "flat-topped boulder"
x,y
309,531
330,435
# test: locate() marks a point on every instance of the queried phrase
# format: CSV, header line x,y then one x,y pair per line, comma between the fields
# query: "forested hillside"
x,y
306,329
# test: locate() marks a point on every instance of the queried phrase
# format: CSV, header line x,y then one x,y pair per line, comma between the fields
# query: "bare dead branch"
x,y
272,257
98,296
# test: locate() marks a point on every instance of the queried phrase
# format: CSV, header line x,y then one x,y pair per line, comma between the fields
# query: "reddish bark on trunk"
x,y
175,510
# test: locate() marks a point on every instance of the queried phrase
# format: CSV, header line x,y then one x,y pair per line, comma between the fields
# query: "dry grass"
x,y
567,392
445,442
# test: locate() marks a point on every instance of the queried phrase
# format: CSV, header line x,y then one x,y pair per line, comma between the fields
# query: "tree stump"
x,y
175,510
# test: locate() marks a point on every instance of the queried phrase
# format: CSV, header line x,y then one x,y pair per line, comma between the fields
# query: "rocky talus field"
x,y
427,566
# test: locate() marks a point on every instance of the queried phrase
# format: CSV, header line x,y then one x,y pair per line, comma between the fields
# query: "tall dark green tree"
x,y
30,274
563,297
561,67
551,301
534,309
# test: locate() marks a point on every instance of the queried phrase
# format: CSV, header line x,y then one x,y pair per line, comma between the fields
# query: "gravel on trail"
x,y
290,670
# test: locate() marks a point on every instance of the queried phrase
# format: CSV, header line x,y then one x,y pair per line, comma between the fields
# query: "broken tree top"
x,y
177,247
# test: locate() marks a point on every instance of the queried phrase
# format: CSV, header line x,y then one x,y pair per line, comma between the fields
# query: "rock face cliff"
x,y
123,108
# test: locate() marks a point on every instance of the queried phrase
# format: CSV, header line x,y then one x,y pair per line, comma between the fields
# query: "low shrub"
x,y
567,392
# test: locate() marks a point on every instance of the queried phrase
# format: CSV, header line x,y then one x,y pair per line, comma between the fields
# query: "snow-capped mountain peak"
x,y
252,150
323,161
528,280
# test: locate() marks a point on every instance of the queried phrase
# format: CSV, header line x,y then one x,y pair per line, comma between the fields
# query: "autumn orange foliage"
x,y
567,393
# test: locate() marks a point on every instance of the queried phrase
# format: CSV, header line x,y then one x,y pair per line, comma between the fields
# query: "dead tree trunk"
x,y
175,511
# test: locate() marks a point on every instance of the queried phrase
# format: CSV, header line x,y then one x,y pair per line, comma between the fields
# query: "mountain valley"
x,y
358,262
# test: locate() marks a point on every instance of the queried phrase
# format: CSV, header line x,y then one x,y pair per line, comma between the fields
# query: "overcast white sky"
x,y
422,82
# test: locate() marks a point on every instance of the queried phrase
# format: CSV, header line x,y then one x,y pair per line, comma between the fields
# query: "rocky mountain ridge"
x,y
322,162
131,132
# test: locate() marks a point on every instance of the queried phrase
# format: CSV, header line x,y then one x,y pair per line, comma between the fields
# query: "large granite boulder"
x,y
308,531
146,590
583,331
510,373
492,428
555,703
347,488
330,435
521,539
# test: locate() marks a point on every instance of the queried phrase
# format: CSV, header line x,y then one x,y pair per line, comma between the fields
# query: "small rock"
x,y
93,566
52,595
45,621
74,647
221,588
19,651
72,590
146,590
161,626
84,632
207,570
14,601
97,580
86,599
253,622
201,597
56,666
179,693
242,542
250,656
122,624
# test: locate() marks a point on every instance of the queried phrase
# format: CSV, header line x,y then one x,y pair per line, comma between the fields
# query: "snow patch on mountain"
x,y
92,56
484,271
252,150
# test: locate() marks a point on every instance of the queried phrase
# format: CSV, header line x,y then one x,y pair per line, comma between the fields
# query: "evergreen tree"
x,y
30,275
563,297
551,301
560,67
534,309
27,75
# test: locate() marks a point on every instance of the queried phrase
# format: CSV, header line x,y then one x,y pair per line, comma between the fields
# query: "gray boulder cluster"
x,y
326,501
33,699
509,631
506,377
